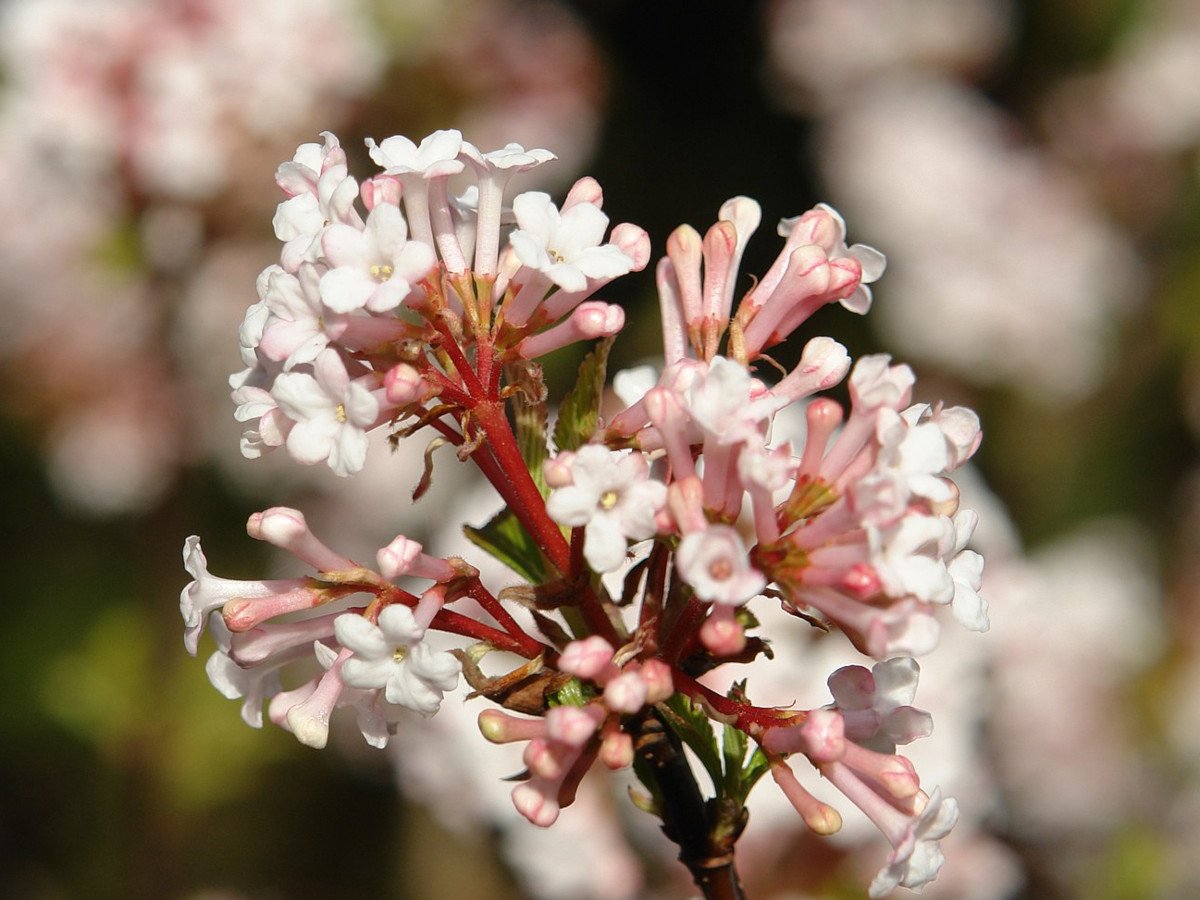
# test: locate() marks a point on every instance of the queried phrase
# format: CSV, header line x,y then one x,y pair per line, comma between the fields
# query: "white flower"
x,y
252,685
374,267
876,705
436,156
612,497
299,326
917,857
966,569
907,558
565,246
331,412
715,563
208,593
871,260
393,657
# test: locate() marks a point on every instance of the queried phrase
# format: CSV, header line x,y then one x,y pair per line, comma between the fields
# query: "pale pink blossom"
x,y
566,247
613,498
332,414
715,563
393,656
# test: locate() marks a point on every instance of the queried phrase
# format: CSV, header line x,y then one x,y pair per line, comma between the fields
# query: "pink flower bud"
x,y
616,750
533,801
244,613
381,189
634,242
626,693
573,726
585,190
685,250
824,416
404,385
588,658
657,676
558,471
819,817
287,529
721,633
501,728
589,321
545,759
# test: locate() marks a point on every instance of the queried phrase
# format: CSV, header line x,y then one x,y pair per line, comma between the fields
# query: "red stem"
x,y
750,719
494,607
520,644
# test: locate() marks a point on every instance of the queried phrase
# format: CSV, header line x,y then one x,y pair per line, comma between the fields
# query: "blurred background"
x,y
1032,171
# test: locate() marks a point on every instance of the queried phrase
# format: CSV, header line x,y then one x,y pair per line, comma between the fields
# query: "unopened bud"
x,y
501,728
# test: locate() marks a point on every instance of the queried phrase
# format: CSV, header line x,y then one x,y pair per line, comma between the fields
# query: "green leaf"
x,y
531,415
692,725
579,415
506,539
756,767
573,693
733,751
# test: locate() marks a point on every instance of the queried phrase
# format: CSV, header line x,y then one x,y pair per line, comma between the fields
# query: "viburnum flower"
x,y
393,657
715,563
609,493
331,412
876,704
565,246
374,267
400,304
916,856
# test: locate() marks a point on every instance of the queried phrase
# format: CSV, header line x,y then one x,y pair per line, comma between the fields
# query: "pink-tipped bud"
x,y
501,728
685,500
635,243
824,417
547,759
587,322
721,633
595,319
845,273
398,557
404,385
657,676
861,580
558,470
381,189
626,693
821,818
242,614
309,719
685,249
287,529
533,801
585,190
573,726
824,736
616,750
588,658
404,556
895,774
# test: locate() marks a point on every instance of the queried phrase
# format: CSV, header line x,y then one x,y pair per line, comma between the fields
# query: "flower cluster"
x,y
398,303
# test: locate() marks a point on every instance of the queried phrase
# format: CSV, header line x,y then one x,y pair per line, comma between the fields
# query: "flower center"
x,y
720,569
340,412
382,273
554,255
609,499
